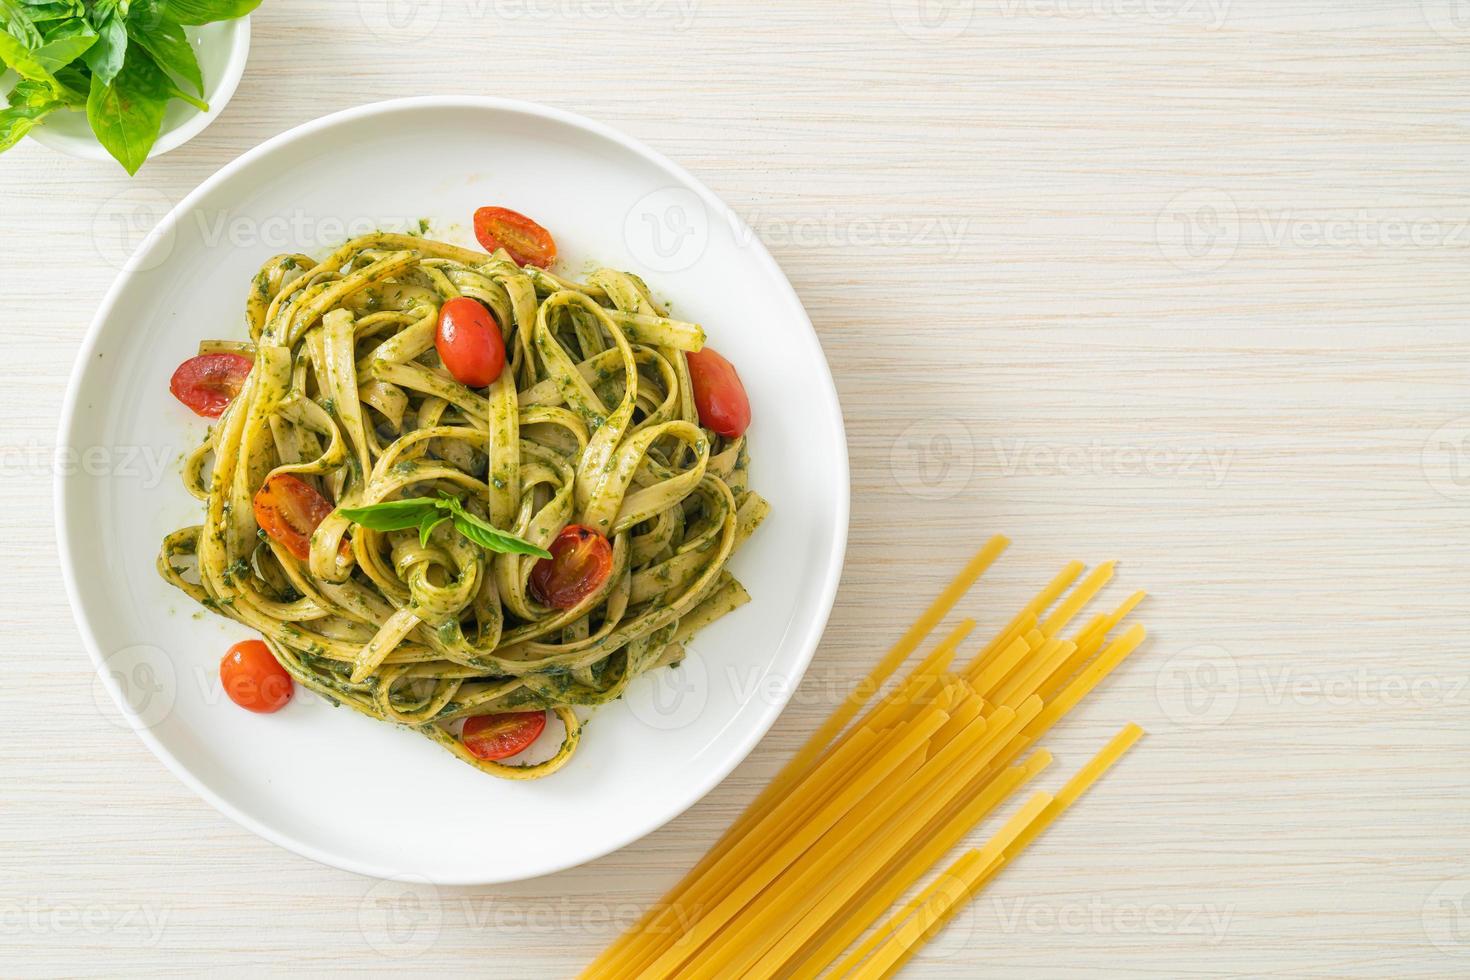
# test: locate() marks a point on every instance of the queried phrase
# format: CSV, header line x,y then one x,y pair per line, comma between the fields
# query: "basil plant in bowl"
x,y
128,67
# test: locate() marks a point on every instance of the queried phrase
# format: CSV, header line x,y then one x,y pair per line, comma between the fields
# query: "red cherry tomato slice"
x,y
289,509
254,679
718,394
498,736
526,241
209,382
581,560
469,342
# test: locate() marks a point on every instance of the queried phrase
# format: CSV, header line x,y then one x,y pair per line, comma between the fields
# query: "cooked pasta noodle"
x,y
592,422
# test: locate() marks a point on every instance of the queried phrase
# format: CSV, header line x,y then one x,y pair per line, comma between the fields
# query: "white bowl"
x,y
222,49
326,782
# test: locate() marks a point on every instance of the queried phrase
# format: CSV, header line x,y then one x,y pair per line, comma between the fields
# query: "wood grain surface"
x,y
1178,282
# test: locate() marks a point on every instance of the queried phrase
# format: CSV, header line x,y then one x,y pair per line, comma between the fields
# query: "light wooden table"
x,y
1181,282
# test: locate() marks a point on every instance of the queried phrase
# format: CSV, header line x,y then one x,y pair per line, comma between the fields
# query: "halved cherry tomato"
x,y
526,241
718,394
254,679
498,736
289,509
581,560
469,342
209,382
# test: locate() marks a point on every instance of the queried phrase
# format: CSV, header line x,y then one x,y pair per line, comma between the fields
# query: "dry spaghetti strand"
x,y
860,814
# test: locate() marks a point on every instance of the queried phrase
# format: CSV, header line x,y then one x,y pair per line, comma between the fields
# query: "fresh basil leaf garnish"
x,y
108,53
487,536
393,515
30,102
427,513
127,113
163,38
431,521
195,12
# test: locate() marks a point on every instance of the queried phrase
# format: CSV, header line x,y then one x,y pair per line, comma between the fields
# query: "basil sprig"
x,y
122,61
427,513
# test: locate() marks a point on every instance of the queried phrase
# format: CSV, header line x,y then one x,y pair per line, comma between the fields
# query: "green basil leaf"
x,y
65,43
491,539
426,527
73,83
127,114
427,513
18,23
30,102
49,11
15,54
107,55
30,93
195,12
175,92
164,39
392,515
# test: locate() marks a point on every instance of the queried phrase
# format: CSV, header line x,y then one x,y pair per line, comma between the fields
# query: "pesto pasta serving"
x,y
456,491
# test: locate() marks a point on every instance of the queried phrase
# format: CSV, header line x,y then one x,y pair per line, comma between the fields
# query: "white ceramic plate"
x,y
326,782
222,49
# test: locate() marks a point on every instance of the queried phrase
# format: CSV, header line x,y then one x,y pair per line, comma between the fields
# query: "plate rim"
x,y
62,482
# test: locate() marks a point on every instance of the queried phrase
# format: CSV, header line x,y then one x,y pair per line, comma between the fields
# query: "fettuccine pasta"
x,y
592,422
